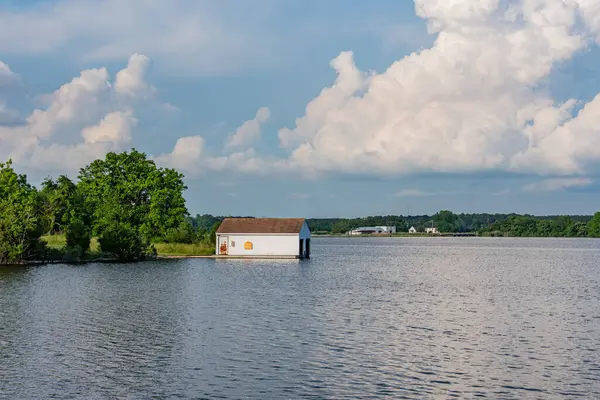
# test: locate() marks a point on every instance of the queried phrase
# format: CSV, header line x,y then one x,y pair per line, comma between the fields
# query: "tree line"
x,y
563,226
124,200
128,204
446,221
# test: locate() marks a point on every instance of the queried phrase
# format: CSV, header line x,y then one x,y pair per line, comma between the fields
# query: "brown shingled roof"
x,y
261,225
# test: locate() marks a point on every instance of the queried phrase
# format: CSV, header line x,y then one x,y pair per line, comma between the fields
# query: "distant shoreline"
x,y
407,235
426,236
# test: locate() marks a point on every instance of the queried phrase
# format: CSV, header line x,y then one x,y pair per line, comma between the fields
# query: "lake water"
x,y
364,318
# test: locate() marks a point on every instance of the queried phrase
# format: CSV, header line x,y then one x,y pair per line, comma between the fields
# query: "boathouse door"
x,y
223,240
301,249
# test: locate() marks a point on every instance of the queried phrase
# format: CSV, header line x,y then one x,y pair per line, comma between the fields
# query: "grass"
x,y
59,242
55,241
182,249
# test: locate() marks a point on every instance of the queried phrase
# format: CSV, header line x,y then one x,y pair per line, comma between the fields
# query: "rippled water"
x,y
364,318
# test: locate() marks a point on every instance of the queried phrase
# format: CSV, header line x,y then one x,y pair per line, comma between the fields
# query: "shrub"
x,y
17,249
124,242
78,237
184,233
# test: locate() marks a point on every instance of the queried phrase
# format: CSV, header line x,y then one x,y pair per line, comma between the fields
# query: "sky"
x,y
311,108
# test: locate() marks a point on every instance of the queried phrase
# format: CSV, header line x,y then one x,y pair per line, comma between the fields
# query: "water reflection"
x,y
513,319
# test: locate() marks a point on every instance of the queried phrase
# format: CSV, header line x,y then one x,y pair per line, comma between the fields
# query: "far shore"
x,y
415,235
448,235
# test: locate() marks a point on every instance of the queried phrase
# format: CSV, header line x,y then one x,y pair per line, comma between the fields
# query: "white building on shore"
x,y
412,230
373,230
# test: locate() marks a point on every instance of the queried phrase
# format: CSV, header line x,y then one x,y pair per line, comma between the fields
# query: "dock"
x,y
224,257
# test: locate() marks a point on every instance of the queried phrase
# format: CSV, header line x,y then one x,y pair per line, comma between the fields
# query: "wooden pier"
x,y
224,257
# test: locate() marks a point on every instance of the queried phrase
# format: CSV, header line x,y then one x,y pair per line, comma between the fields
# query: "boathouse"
x,y
264,237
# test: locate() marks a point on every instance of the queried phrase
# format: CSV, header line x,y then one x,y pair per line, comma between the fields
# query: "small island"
x,y
121,208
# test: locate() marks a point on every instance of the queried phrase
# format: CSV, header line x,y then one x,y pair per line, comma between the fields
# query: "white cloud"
x,y
349,82
65,158
557,184
190,155
248,162
476,100
472,102
8,116
249,132
77,101
90,113
131,80
187,155
7,77
115,128
188,36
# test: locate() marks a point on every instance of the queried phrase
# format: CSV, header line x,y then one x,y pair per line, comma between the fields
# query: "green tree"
x,y
547,228
517,225
61,202
20,222
212,234
184,233
564,226
578,229
204,222
593,226
78,236
129,189
341,226
123,241
446,221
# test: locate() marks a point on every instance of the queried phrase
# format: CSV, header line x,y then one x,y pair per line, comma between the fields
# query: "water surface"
x,y
364,318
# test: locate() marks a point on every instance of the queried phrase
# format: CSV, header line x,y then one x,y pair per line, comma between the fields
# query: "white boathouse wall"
x,y
265,244
262,245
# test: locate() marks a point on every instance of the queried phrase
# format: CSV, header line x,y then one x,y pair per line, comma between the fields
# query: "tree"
x,y
129,189
578,229
20,222
547,228
446,221
184,233
517,225
341,226
594,226
60,203
123,241
204,222
212,234
64,211
78,236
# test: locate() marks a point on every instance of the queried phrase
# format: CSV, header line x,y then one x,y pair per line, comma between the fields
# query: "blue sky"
x,y
480,113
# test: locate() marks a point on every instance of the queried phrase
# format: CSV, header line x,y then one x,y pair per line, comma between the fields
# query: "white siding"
x,y
263,245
